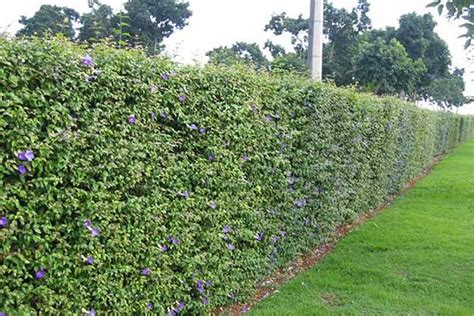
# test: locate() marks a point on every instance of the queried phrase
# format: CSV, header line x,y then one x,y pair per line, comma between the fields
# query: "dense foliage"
x,y
129,184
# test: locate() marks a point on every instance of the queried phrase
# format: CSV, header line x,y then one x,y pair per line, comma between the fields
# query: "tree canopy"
x,y
141,22
386,68
240,52
50,19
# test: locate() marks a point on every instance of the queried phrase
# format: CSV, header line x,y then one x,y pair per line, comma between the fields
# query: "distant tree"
x,y
458,9
289,62
447,92
385,68
342,29
238,53
417,35
297,28
364,22
50,19
97,24
150,22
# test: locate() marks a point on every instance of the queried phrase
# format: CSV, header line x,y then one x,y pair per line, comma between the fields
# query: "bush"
x,y
146,186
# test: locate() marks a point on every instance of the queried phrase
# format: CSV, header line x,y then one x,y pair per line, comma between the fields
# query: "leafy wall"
x,y
129,184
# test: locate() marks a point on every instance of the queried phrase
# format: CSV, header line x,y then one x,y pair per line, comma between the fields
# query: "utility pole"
x,y
315,48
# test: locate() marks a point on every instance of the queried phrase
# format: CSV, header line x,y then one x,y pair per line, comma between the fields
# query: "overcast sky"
x,y
223,22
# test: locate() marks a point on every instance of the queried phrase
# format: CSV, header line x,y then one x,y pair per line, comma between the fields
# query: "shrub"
x,y
130,184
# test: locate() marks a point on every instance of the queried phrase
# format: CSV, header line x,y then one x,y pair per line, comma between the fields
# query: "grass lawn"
x,y
416,258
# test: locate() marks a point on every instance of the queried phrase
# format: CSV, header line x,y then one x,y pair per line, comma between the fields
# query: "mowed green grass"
x,y
416,258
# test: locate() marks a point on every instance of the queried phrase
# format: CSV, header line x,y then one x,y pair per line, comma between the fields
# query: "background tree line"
x,y
140,22
410,61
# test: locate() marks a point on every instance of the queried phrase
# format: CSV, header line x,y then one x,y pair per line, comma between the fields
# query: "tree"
x,y
447,92
50,19
365,23
289,62
342,29
97,24
417,35
385,68
151,21
458,9
238,53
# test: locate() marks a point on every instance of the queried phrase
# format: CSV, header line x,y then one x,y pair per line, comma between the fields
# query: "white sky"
x,y
222,22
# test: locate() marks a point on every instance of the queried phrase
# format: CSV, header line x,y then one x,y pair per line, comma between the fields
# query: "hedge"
x,y
132,185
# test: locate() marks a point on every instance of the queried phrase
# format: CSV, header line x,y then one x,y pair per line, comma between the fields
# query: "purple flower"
x,y
153,88
89,260
173,240
184,194
259,236
194,127
268,118
230,246
274,239
253,108
26,155
202,130
211,157
200,286
163,115
244,309
149,306
21,155
3,222
146,271
95,231
92,312
41,273
22,169
282,233
165,76
205,300
153,115
87,61
226,229
245,157
180,306
164,247
88,224
132,119
300,203
213,205
182,98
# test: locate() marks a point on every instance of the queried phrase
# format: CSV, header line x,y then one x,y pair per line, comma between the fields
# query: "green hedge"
x,y
153,187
